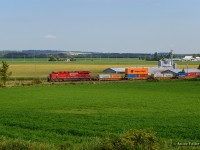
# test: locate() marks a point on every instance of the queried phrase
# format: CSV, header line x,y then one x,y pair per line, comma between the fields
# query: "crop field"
x,y
83,113
40,68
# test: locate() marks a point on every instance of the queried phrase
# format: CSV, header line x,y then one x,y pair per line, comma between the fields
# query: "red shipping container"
x,y
191,74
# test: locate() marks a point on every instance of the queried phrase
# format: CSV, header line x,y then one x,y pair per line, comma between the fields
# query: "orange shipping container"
x,y
117,76
136,71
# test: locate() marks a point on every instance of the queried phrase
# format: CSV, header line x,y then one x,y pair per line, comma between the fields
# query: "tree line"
x,y
42,54
61,54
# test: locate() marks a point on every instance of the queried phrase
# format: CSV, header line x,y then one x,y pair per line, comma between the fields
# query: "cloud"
x,y
50,36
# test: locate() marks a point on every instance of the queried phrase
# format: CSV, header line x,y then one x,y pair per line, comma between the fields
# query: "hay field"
x,y
40,68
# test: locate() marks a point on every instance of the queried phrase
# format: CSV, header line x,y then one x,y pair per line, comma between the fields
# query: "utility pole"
x,y
171,54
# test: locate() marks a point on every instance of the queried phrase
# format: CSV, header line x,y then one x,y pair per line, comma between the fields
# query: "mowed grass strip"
x,y
81,112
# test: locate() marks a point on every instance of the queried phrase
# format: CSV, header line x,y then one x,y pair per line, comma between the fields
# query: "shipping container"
x,y
104,76
182,74
131,75
192,74
142,75
158,75
116,76
110,77
168,75
136,71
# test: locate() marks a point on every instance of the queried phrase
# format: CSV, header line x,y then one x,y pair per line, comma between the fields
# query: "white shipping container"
x,y
157,75
168,75
104,76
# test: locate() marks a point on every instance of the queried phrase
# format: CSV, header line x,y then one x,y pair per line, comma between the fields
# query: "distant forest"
x,y
65,54
77,54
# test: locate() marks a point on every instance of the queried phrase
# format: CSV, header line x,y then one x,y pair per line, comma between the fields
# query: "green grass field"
x,y
82,112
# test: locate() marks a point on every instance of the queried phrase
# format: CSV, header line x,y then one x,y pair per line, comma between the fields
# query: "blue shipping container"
x,y
182,74
131,75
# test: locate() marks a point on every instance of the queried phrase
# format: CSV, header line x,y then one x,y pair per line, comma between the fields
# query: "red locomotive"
x,y
69,76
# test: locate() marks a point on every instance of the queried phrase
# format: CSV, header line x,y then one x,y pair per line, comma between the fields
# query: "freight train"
x,y
130,74
69,76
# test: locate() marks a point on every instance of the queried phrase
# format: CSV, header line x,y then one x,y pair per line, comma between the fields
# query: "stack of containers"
x,y
136,73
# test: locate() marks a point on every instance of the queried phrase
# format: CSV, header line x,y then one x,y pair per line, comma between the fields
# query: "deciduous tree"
x,y
4,73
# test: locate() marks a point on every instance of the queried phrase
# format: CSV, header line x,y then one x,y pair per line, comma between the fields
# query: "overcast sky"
x,y
101,25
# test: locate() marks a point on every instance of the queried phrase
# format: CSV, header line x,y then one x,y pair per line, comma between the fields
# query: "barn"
x,y
114,70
